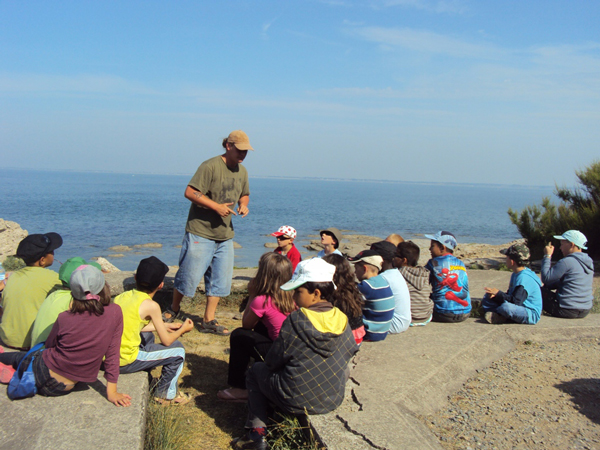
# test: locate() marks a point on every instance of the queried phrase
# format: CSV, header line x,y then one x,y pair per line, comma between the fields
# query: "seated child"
x,y
394,239
522,303
142,316
572,277
81,338
58,301
266,311
330,240
285,241
448,278
27,288
417,279
346,297
379,305
401,320
305,370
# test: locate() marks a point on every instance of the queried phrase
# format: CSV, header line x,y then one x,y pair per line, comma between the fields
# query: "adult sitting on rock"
x,y
571,277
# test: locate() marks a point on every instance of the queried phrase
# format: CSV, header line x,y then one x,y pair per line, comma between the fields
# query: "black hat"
x,y
150,273
385,249
34,246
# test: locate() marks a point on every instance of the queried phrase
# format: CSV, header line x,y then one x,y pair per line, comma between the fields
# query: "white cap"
x,y
314,269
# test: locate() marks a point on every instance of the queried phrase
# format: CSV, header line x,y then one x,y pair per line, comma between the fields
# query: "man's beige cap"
x,y
240,140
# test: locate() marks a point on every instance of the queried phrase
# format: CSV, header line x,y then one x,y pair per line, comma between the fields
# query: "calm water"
x,y
95,211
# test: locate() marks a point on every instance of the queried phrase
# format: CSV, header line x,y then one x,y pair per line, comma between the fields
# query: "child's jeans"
x,y
45,384
151,355
512,312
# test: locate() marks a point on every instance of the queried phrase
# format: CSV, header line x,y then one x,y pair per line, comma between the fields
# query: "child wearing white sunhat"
x,y
571,277
305,370
285,244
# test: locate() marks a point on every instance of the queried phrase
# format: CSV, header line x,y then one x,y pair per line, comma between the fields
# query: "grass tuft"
x,y
164,428
288,434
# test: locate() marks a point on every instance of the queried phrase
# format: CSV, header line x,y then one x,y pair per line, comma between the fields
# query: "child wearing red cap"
x,y
285,241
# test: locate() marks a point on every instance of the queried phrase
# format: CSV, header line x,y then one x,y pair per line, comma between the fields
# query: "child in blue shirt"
x,y
448,278
522,303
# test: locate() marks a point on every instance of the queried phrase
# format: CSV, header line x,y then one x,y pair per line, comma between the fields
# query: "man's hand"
x,y
224,209
243,210
549,249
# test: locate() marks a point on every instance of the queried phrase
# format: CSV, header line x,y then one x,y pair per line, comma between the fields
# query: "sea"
x,y
96,211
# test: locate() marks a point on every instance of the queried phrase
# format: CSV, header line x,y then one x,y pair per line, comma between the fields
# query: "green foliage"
x,y
579,210
164,428
288,434
13,263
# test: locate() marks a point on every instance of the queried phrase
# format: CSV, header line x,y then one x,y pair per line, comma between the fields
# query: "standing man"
x,y
207,249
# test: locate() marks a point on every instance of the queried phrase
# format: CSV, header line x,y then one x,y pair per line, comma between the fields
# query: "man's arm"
x,y
149,309
198,198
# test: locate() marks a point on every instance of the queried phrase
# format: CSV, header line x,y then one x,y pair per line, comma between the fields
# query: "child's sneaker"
x,y
495,318
250,441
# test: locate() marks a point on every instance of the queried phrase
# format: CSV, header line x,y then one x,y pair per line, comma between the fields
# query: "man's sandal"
x,y
179,315
213,326
180,399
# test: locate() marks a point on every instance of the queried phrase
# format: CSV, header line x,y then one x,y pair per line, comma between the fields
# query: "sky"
x,y
412,90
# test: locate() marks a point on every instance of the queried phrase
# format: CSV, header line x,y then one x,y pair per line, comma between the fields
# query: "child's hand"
x,y
186,326
493,292
120,399
549,249
173,326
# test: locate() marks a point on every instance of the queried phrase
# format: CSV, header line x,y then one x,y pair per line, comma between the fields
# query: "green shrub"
x,y
579,210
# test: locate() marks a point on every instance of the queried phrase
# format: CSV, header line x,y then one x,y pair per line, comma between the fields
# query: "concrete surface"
x,y
82,420
394,382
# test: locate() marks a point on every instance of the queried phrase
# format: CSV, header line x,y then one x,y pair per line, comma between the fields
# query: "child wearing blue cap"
x,y
448,278
571,278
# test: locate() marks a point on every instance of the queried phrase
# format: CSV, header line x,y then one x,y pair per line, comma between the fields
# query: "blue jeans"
x,y
512,312
202,257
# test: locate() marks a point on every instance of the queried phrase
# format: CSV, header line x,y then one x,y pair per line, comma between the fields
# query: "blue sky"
x,y
412,90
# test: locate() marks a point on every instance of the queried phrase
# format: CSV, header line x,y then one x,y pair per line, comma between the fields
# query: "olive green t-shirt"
x,y
222,185
25,291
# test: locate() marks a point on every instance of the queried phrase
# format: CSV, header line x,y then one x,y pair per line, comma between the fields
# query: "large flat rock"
x,y
81,420
412,374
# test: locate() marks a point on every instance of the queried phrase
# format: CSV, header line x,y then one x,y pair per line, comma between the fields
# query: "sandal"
x,y
180,399
227,396
179,315
213,326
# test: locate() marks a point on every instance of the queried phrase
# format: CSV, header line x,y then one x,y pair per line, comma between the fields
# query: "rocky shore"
x,y
480,256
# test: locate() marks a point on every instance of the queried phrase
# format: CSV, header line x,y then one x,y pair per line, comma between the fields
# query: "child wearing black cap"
x,y
142,316
27,288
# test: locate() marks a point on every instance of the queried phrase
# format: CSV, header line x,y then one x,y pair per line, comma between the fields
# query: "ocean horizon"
x,y
94,211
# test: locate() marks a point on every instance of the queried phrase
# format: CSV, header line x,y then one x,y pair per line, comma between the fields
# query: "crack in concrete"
x,y
356,433
355,400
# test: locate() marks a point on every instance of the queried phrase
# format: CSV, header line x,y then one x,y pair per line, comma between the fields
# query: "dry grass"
x,y
208,422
